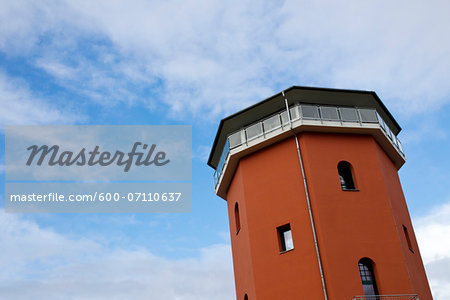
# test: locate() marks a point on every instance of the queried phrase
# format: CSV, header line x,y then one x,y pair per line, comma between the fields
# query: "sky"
x,y
194,62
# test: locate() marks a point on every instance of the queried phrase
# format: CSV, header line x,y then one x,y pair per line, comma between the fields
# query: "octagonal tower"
x,y
315,204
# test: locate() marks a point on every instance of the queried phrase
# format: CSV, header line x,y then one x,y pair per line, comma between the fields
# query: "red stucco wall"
x,y
350,224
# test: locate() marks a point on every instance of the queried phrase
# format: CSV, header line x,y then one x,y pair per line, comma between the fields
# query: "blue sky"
x,y
195,62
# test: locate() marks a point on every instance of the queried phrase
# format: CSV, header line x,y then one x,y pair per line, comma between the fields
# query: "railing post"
x,y
359,117
339,115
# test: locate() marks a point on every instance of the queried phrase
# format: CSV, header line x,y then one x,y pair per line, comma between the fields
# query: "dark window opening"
x,y
346,176
285,238
237,218
408,240
245,297
367,277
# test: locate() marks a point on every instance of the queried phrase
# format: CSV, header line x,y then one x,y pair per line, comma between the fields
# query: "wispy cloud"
x,y
39,263
424,128
201,153
433,232
209,58
20,107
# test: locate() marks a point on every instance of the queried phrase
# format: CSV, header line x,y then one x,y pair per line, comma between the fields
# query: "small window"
x,y
367,277
237,218
245,297
408,240
285,238
346,176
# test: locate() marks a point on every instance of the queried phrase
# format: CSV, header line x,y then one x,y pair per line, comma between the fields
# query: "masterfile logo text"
x,y
91,158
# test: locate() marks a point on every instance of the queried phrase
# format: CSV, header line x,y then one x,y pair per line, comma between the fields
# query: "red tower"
x,y
315,204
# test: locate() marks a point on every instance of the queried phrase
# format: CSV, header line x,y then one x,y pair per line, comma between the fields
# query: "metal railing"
x,y
387,297
337,115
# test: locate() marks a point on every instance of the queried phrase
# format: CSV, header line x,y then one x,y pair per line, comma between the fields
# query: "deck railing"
x,y
387,297
338,116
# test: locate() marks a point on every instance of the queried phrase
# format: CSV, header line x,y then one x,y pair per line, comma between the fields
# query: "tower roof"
x,y
297,94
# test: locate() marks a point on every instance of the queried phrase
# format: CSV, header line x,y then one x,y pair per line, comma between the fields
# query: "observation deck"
x,y
361,112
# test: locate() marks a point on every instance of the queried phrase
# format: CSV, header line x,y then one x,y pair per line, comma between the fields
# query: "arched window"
x,y
245,297
236,218
346,175
365,266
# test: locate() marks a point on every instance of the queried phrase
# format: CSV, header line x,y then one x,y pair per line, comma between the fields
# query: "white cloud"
x,y
38,263
425,127
213,57
57,69
20,107
433,235
201,153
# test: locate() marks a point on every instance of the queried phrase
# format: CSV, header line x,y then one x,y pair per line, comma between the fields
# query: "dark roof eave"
x,y
219,129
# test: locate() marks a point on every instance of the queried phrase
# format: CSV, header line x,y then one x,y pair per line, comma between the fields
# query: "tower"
x,y
315,204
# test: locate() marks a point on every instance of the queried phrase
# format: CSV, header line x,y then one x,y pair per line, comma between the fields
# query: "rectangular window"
x,y
237,218
408,240
285,238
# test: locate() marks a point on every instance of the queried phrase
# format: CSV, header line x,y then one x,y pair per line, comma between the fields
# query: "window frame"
x,y
282,242
346,175
237,218
369,264
408,238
